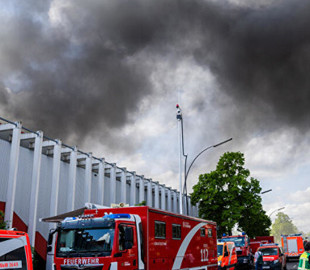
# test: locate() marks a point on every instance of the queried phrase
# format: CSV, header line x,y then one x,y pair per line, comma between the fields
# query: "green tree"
x,y
282,225
143,203
230,196
3,224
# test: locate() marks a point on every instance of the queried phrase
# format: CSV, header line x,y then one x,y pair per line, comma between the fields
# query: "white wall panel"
x,y
4,167
79,196
44,193
63,187
23,183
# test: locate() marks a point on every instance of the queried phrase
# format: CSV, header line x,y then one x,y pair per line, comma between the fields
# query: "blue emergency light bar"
x,y
117,216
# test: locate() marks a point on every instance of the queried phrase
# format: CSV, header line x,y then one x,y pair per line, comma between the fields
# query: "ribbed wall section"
x,y
50,173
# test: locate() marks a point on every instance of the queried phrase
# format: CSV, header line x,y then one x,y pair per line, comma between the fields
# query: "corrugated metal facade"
x,y
107,183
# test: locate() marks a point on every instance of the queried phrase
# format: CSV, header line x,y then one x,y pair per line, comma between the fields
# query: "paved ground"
x,y
292,265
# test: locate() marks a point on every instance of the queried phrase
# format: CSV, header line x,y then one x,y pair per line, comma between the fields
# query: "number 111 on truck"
x,y
134,238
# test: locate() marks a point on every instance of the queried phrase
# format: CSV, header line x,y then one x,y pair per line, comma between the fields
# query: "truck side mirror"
x,y
50,240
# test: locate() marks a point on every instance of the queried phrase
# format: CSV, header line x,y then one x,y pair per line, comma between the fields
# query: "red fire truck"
x,y
242,243
292,245
15,250
134,238
256,242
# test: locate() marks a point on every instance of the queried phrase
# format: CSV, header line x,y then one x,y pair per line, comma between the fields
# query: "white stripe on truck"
x,y
179,258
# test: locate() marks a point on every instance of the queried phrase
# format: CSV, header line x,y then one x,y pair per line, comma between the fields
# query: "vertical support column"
x,y
189,206
163,197
197,209
156,195
149,193
55,179
175,208
32,221
123,185
184,203
133,189
72,180
13,167
141,189
169,200
113,183
100,190
87,180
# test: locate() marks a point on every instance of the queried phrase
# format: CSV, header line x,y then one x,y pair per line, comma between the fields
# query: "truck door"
x,y
127,247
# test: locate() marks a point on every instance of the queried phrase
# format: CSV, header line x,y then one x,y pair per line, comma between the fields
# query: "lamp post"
x,y
190,166
276,210
266,191
181,153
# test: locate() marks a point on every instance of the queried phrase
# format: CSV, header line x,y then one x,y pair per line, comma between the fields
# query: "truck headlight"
x,y
219,263
275,261
245,260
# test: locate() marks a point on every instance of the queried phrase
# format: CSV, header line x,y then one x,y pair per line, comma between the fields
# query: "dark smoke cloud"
x,y
261,59
92,71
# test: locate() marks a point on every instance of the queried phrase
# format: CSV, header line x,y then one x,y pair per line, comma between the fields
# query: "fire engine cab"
x,y
273,258
242,243
134,238
226,254
15,250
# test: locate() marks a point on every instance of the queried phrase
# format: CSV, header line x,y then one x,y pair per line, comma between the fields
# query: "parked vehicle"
x,y
292,245
15,250
226,255
256,242
273,258
134,238
242,243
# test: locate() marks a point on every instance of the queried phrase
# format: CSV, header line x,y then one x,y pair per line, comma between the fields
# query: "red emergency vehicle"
x,y
15,250
273,258
292,245
135,238
256,242
242,243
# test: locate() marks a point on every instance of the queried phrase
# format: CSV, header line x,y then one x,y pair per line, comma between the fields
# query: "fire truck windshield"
x,y
14,256
269,251
219,250
86,241
239,241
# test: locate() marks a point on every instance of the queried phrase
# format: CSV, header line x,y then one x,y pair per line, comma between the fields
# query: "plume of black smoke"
x,y
92,70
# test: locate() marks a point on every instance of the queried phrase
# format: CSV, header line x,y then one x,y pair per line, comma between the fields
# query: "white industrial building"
x,y
42,177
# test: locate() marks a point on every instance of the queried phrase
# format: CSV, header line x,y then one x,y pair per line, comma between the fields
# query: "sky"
x,y
107,75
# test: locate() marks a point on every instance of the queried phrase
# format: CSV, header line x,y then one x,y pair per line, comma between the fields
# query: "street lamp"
x,y
204,150
186,172
266,191
276,210
190,166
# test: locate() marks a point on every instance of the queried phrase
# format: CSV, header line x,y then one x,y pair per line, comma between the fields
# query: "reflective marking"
x,y
179,258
